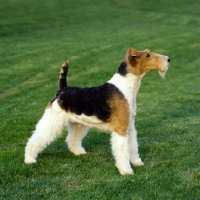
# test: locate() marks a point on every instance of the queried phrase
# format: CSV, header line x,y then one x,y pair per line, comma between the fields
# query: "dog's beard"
x,y
162,73
163,70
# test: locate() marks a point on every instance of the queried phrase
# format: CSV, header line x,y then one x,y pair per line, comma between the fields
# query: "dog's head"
x,y
141,62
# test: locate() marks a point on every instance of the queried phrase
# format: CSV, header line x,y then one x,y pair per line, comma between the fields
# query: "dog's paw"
x,y
126,171
80,151
29,160
137,162
125,168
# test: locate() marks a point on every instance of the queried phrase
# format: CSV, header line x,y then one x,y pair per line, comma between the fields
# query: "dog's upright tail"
x,y
62,82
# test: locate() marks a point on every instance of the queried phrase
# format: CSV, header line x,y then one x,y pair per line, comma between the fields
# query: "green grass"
x,y
36,37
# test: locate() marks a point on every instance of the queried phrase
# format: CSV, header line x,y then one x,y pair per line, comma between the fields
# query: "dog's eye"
x,y
148,55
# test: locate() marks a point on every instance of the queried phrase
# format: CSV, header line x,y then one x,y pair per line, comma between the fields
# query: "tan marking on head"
x,y
141,62
120,116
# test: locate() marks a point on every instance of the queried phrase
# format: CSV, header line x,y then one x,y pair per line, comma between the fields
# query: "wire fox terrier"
x,y
110,107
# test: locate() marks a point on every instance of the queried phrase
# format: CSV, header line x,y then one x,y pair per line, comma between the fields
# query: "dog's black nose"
x,y
168,59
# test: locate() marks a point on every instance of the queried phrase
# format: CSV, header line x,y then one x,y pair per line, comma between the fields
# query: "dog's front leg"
x,y
120,152
133,145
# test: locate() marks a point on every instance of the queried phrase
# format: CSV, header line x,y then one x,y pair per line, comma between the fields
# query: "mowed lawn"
x,y
36,37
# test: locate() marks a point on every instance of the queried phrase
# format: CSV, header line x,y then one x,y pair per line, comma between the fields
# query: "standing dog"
x,y
110,107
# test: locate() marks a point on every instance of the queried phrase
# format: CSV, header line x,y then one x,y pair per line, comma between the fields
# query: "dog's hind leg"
x,y
47,129
76,132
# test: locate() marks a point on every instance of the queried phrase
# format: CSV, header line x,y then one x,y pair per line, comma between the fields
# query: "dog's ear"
x,y
147,51
132,55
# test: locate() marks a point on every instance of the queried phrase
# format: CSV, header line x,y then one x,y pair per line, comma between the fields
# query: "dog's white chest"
x,y
129,86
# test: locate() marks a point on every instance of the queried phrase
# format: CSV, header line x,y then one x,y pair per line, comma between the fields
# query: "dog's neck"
x,y
128,85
